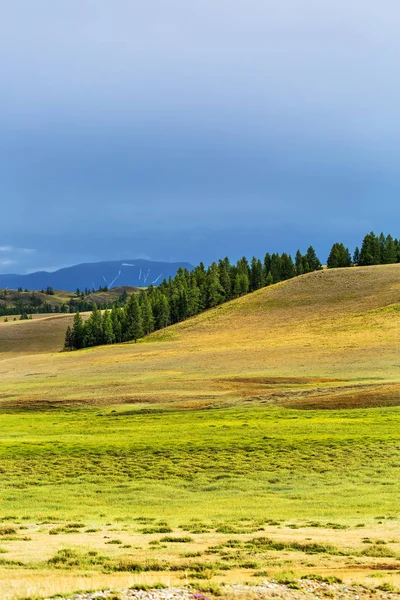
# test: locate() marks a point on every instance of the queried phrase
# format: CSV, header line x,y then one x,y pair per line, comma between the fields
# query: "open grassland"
x,y
43,334
260,437
290,342
214,495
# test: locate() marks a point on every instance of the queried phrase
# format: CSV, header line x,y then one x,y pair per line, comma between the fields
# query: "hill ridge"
x,y
132,272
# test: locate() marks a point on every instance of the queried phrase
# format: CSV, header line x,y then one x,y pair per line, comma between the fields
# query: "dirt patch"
x,y
281,380
372,398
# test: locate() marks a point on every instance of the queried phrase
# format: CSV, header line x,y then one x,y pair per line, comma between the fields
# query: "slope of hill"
x,y
334,324
135,272
105,450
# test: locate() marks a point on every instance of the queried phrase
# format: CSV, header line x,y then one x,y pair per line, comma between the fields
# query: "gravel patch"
x,y
307,589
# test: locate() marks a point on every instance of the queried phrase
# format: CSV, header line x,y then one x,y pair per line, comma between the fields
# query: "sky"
x,y
176,130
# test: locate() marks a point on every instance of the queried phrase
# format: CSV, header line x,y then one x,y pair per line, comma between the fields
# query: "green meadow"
x,y
227,463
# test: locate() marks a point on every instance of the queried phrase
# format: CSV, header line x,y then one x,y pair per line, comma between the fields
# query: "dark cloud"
x,y
189,130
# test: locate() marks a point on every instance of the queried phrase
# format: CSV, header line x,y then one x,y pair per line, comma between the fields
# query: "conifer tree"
x,y
78,332
339,256
107,328
215,291
244,283
276,267
237,286
193,299
269,280
68,344
305,265
256,274
389,254
266,266
356,256
287,267
224,277
299,263
147,315
133,315
313,261
370,253
116,323
161,310
94,328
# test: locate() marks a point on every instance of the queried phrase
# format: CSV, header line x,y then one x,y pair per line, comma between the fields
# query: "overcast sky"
x,y
188,130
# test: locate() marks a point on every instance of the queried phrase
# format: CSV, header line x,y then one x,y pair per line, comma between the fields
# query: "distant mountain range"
x,y
135,272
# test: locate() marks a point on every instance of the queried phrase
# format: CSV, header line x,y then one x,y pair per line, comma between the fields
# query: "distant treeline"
x,y
185,295
32,303
375,250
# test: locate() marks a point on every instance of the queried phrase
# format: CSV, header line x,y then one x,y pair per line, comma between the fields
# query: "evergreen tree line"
x,y
33,304
375,250
187,294
190,293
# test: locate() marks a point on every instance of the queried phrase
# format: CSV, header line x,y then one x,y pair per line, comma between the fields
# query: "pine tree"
x,y
370,253
237,286
147,315
68,344
276,267
161,310
107,328
244,283
163,316
256,274
215,291
305,265
94,328
269,280
339,256
193,299
389,254
133,313
299,263
116,323
123,299
78,332
287,267
224,277
313,261
356,256
266,266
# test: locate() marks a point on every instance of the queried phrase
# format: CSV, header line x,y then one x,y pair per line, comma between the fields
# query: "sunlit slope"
x,y
288,343
44,333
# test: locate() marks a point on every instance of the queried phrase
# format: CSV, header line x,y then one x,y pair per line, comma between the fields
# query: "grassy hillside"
x,y
262,436
333,324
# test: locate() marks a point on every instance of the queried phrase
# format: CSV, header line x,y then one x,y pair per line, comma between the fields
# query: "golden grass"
x,y
334,324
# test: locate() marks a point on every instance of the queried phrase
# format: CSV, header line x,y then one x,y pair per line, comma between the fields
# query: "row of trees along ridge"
x,y
185,295
190,293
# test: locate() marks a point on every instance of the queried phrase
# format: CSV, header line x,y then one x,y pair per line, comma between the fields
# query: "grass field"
x,y
260,437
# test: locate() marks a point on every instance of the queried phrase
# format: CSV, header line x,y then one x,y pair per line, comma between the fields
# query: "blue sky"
x,y
190,130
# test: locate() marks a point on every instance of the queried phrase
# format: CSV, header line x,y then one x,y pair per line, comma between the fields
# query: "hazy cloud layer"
x,y
187,130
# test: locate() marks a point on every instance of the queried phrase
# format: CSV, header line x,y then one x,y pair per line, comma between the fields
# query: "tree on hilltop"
x,y
339,256
313,261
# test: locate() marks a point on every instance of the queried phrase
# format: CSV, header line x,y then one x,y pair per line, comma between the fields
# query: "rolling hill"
x,y
258,435
339,324
129,272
